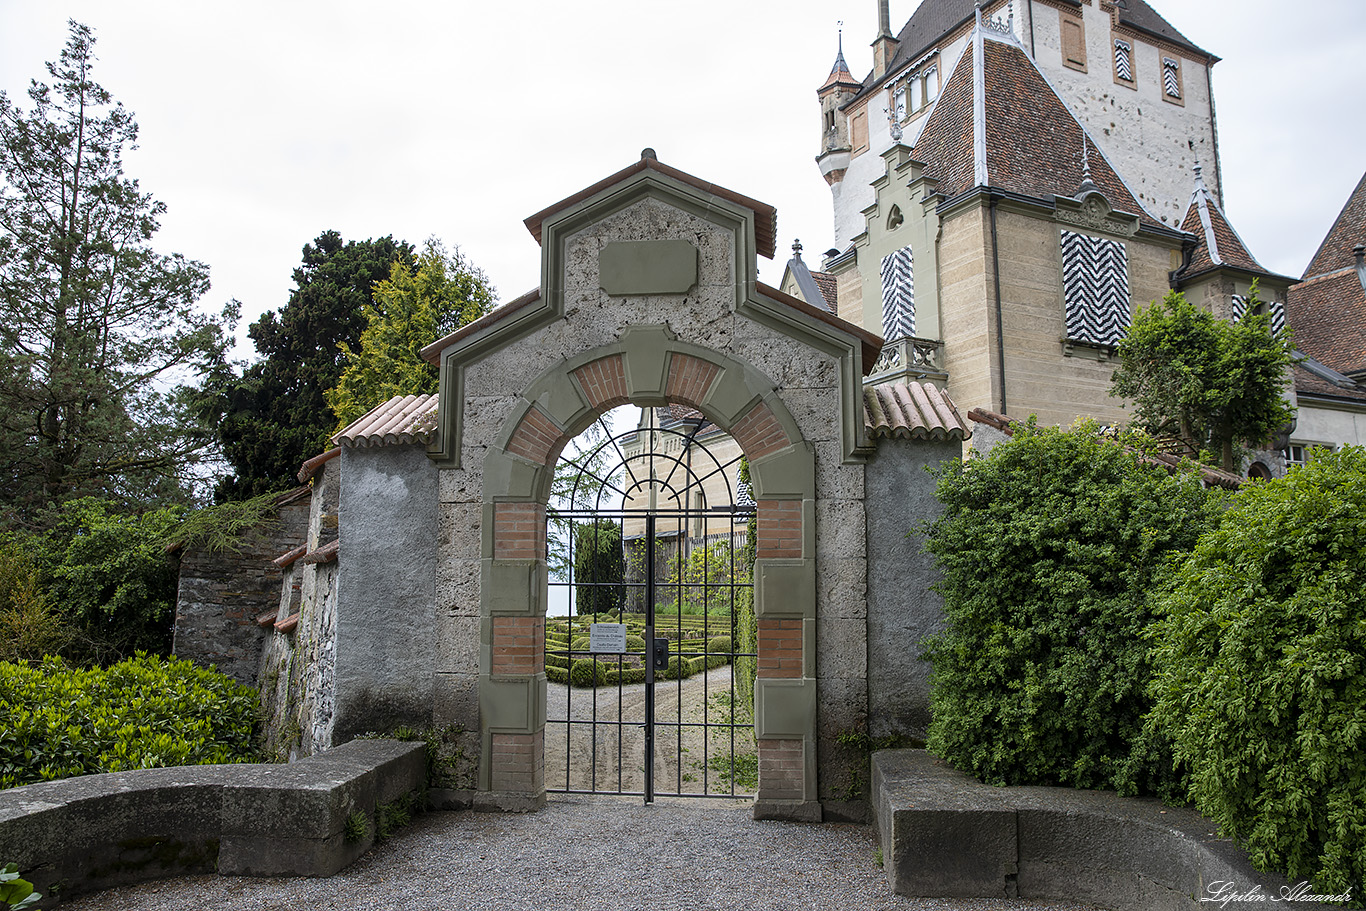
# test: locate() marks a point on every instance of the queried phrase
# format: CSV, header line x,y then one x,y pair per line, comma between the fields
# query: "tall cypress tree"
x,y
275,416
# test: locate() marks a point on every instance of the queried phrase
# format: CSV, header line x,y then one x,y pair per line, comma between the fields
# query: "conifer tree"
x,y
97,329
413,307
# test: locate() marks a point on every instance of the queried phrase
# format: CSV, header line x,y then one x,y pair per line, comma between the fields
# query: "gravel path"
x,y
598,853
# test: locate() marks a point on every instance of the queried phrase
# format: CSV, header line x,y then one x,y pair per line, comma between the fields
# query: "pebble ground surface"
x,y
581,852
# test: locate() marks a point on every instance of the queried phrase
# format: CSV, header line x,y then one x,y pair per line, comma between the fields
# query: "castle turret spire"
x,y
885,45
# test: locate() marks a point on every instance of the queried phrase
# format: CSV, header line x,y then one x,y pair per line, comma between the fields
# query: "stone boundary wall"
x,y
95,832
221,595
946,835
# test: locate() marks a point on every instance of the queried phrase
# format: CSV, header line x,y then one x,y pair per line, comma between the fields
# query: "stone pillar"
x,y
512,660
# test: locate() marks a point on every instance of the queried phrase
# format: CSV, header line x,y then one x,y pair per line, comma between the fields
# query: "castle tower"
x,y
839,88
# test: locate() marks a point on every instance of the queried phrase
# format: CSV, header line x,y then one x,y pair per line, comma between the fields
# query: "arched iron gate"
x,y
650,537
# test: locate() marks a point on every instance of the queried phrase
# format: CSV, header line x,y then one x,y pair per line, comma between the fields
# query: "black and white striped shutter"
x,y
1095,283
898,295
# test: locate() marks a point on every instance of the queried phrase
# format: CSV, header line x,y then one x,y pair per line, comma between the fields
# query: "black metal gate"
x,y
650,673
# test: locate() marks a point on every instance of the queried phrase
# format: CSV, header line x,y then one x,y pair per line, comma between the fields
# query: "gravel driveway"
x,y
598,853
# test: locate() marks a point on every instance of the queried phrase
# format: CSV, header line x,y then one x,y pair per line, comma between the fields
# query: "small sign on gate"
x,y
607,637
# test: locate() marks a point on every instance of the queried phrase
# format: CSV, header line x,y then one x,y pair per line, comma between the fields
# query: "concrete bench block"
x,y
946,834
98,831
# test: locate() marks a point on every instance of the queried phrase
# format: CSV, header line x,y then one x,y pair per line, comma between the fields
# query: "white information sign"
x,y
607,637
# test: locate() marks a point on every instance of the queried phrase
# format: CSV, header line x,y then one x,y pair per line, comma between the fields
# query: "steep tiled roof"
x,y
1033,143
1349,230
829,288
934,20
916,411
839,74
1217,244
402,419
1328,317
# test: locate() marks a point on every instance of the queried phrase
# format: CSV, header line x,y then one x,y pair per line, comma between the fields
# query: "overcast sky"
x,y
265,123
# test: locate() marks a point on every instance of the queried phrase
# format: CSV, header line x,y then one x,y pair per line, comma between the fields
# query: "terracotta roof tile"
x,y
308,469
403,419
1349,230
1033,143
325,554
829,288
287,559
1327,315
1217,243
287,625
916,411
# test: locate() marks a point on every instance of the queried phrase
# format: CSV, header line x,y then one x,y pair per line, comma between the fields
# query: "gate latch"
x,y
661,661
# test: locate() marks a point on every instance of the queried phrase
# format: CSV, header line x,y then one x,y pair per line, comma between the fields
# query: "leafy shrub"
x,y
587,672
580,644
144,712
111,575
721,644
635,644
1048,547
1262,672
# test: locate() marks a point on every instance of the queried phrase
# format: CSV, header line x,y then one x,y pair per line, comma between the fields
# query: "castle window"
x,y
916,91
1124,62
858,131
1073,43
1095,288
1171,80
898,295
1273,310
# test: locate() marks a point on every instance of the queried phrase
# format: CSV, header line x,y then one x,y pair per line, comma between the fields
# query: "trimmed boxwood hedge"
x,y
144,712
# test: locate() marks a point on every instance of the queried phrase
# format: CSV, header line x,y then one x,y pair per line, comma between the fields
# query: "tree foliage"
x,y
275,415
1211,383
96,327
1262,683
599,567
1048,547
413,307
110,576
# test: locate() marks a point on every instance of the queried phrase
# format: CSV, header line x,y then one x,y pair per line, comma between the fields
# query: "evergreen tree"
x,y
96,328
415,306
275,416
1211,383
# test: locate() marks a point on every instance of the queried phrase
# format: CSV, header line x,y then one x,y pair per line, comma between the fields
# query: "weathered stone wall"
x,y
902,609
221,595
298,661
387,637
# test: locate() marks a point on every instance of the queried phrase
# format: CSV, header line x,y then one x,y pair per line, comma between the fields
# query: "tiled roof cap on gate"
x,y
403,419
765,216
915,411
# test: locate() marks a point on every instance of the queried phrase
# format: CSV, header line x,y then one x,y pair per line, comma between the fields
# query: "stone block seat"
x,y
945,834
93,832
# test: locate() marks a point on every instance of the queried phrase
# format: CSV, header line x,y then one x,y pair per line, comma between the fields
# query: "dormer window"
x,y
1124,62
1171,80
916,91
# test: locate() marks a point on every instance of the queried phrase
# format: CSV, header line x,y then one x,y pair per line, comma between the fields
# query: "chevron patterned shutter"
x,y
1095,287
1274,309
1123,67
1170,84
898,295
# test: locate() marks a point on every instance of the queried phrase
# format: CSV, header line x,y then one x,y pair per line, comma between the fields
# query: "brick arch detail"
x,y
552,410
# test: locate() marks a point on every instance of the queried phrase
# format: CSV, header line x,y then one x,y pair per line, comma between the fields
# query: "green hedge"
x,y
1262,672
144,712
1049,548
